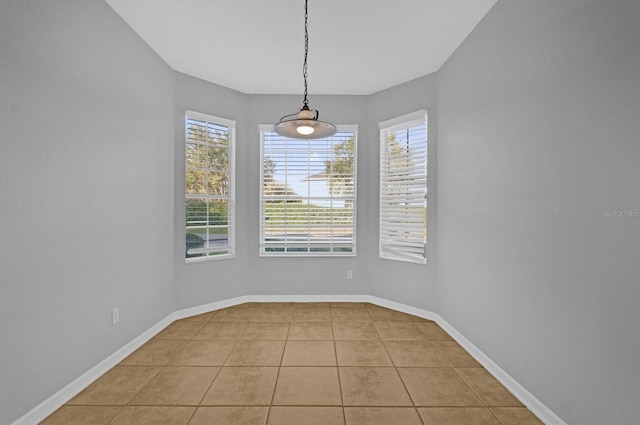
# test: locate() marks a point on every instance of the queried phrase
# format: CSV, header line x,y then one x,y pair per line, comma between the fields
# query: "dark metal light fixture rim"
x,y
288,128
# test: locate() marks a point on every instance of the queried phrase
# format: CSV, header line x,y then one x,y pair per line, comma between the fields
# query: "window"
x,y
308,195
403,188
209,187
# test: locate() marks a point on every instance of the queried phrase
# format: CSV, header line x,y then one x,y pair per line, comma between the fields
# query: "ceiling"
x,y
257,46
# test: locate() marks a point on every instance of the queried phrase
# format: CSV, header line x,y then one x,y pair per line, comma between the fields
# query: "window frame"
x,y
230,198
387,127
342,128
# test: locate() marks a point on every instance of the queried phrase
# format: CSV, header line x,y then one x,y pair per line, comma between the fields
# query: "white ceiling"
x,y
257,46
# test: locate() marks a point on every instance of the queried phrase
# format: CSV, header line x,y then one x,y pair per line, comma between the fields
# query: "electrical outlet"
x,y
115,315
349,274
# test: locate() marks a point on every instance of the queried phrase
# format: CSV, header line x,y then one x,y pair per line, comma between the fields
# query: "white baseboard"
x,y
529,400
205,308
53,403
181,314
58,399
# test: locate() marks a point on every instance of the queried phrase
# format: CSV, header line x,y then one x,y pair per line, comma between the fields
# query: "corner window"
x,y
209,187
403,188
308,194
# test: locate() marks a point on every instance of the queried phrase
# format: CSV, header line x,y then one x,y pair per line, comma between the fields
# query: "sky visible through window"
x,y
303,166
308,195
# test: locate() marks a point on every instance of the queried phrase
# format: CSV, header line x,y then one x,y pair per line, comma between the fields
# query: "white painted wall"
x,y
86,193
538,135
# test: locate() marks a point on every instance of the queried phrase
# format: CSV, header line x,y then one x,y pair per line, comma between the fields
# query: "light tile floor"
x,y
297,364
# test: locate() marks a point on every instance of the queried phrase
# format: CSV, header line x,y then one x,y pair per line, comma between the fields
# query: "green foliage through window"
x,y
308,195
208,186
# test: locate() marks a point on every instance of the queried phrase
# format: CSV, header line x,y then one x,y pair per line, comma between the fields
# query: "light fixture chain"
x,y
306,51
305,123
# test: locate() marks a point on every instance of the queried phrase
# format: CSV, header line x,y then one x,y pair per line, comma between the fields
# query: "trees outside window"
x,y
307,199
209,187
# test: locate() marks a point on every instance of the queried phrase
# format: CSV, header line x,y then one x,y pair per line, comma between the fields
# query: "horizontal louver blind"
x,y
209,187
307,202
403,191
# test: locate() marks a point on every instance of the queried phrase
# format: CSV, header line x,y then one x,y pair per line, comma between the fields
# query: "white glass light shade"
x,y
305,130
290,128
304,125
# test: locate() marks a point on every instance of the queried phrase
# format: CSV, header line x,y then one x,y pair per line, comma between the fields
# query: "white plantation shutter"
x,y
209,187
307,195
403,188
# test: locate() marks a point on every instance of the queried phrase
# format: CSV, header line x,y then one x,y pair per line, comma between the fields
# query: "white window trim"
x,y
263,128
231,235
409,120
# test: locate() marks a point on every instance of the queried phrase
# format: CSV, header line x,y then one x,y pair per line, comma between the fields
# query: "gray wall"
x,y
86,193
538,137
412,284
92,173
305,276
534,120
206,282
250,274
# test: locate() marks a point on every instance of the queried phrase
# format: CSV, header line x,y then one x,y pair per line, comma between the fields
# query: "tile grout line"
x,y
161,367
192,338
220,369
496,416
442,354
114,416
470,387
395,367
275,385
214,378
335,352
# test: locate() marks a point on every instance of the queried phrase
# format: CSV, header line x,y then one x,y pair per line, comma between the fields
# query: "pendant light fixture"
x,y
305,124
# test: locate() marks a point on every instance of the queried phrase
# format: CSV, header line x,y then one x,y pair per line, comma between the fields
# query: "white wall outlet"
x,y
115,315
349,274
